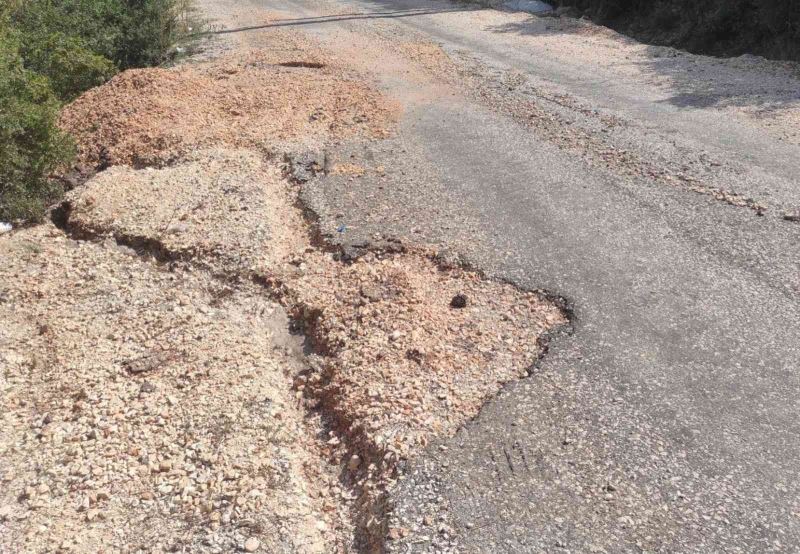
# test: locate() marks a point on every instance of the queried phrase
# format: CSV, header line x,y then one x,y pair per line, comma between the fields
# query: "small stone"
x,y
140,365
5,512
92,514
792,216
177,228
415,354
252,544
371,293
354,462
147,387
397,533
459,301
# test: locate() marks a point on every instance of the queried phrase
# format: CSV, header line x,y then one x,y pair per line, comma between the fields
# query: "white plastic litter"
x,y
530,6
5,227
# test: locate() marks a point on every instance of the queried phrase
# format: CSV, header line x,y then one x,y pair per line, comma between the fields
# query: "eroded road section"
x,y
189,366
412,277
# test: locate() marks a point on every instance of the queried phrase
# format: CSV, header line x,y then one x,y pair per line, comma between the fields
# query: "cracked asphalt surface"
x,y
665,419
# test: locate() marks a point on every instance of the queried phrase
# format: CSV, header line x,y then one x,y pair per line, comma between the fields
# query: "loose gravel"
x,y
147,410
152,117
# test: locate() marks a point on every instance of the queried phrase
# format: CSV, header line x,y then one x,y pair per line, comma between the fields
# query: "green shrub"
x,y
152,28
130,33
69,65
50,52
31,145
718,27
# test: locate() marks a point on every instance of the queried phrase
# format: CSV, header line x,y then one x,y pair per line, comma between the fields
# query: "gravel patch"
x,y
228,207
151,117
147,410
411,349
158,404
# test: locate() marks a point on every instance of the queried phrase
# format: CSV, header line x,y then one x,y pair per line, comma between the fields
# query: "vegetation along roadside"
x,y
50,52
769,28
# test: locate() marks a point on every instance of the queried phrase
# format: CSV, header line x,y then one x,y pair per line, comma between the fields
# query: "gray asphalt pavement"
x,y
666,418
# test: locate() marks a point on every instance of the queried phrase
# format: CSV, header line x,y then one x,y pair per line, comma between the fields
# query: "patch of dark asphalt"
x,y
704,150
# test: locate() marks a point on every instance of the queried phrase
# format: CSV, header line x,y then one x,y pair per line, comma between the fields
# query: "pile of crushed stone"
x,y
227,207
261,100
147,410
400,364
407,348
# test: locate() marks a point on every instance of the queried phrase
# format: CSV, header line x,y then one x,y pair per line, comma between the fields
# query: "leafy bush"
x,y
31,145
50,52
719,27
129,33
69,65
152,28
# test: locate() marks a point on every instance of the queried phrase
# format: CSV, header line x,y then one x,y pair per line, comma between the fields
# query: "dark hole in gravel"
x,y
459,301
310,65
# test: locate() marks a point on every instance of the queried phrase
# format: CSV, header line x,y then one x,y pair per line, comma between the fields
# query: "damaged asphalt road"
x,y
667,420
372,276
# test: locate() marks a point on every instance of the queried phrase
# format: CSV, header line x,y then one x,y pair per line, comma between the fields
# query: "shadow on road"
x,y
693,81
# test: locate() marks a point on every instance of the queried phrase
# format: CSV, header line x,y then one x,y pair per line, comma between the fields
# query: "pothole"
x,y
407,350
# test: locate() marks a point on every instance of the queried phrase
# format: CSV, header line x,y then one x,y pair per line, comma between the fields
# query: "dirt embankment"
x,y
769,28
152,396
